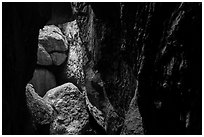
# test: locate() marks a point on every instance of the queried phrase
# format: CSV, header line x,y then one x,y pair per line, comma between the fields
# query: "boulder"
x,y
69,102
43,57
58,58
43,80
52,39
41,111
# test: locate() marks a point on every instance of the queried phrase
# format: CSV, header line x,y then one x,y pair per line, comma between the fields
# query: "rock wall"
x,y
150,53
54,110
136,66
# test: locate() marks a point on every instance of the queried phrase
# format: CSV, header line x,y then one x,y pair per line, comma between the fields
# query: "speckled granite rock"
x,y
76,53
69,103
42,112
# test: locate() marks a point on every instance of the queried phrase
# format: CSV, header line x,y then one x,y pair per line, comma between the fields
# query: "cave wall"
x,y
170,77
151,52
147,55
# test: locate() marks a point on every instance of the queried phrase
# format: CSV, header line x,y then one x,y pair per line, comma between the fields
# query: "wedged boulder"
x,y
52,39
58,58
70,105
41,111
43,80
43,58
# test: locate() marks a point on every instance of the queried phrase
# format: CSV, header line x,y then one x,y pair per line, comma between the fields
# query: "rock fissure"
x,y
102,68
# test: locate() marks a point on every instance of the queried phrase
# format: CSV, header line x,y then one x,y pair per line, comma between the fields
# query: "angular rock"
x,y
43,57
42,112
58,58
69,102
52,39
43,80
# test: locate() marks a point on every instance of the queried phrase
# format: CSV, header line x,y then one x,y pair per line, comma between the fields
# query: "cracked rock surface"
x,y
52,39
42,112
62,107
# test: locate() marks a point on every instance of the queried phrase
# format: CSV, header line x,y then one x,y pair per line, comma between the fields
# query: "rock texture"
x,y
69,103
42,112
74,66
112,97
132,122
43,58
145,53
63,108
21,23
58,58
52,39
70,106
99,104
52,46
136,66
92,86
